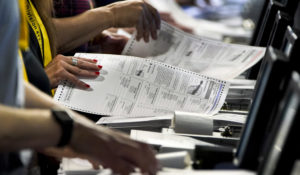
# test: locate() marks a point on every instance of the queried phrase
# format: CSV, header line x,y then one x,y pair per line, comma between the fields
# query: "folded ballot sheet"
x,y
204,56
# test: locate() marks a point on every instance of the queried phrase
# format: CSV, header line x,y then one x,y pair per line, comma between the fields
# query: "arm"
x,y
36,128
83,27
24,125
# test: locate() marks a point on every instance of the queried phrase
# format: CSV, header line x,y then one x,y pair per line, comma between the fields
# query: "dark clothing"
x,y
10,163
34,65
100,3
35,72
68,8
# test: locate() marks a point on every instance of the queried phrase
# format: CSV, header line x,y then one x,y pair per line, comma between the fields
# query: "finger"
x,y
80,72
69,59
118,165
139,29
151,23
152,162
95,164
145,26
153,30
141,156
84,64
122,167
155,15
94,61
73,79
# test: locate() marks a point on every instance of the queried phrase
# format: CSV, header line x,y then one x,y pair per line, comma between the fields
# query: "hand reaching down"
x,y
138,14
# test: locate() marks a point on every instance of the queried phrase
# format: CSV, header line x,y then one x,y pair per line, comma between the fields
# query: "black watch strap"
x,y
66,123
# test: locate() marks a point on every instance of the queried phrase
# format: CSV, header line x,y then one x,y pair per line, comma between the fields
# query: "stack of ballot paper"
x,y
240,94
241,89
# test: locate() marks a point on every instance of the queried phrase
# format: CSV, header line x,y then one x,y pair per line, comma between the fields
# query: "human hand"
x,y
110,43
66,152
137,14
111,149
63,68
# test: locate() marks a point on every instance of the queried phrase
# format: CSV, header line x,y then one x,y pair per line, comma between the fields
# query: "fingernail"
x,y
99,66
95,60
87,86
97,73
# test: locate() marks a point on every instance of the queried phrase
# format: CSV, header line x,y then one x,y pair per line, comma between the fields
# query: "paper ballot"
x,y
131,86
207,57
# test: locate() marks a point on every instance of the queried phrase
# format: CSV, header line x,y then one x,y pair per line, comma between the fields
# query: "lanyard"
x,y
25,77
40,32
24,37
24,34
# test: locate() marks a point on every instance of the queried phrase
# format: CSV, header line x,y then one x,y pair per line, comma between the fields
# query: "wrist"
x,y
111,15
107,17
65,121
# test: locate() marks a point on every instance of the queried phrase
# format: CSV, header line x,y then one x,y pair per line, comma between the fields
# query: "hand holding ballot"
x,y
68,68
137,14
198,54
183,72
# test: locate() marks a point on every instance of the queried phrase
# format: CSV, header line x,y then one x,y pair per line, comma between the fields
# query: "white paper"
x,y
77,166
234,118
166,140
113,119
131,86
201,27
207,172
155,123
207,57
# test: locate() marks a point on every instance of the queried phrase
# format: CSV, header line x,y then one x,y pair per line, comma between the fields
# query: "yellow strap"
x,y
40,31
25,77
24,34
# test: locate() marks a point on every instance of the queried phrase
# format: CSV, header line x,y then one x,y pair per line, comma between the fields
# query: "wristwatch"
x,y
64,119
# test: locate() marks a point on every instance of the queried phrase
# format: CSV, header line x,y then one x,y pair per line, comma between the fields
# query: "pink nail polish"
x,y
99,66
97,73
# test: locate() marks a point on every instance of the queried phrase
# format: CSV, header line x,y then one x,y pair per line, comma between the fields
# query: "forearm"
x,y
77,30
21,129
35,98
